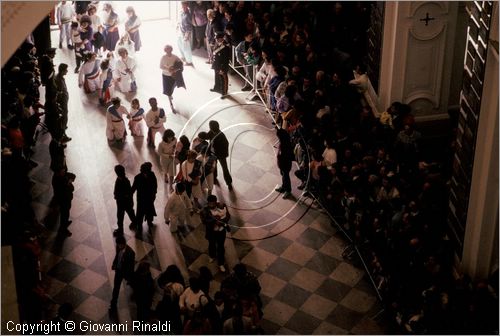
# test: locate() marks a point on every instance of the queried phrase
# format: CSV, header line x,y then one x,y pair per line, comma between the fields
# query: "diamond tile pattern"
x,y
306,286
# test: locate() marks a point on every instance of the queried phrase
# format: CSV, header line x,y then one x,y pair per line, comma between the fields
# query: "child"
x,y
177,208
136,116
78,44
106,83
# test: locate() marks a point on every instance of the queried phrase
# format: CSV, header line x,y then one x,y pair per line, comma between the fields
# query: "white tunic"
x,y
135,123
92,81
115,127
166,151
177,210
124,78
154,122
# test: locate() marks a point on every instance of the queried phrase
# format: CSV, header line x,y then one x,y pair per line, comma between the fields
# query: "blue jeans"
x,y
185,48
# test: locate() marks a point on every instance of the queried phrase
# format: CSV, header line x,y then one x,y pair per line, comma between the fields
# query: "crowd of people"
x,y
370,173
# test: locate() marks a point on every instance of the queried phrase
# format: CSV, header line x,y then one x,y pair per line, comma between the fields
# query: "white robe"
x,y
156,127
135,123
130,47
115,128
123,78
93,80
177,210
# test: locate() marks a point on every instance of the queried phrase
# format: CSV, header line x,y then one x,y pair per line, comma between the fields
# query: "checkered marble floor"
x,y
307,287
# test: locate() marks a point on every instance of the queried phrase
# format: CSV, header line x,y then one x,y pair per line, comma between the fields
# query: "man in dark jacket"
x,y
124,198
62,98
146,185
221,57
220,147
123,265
62,185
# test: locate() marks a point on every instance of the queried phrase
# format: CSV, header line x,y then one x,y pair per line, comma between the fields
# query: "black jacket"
x,y
219,144
127,264
123,191
222,55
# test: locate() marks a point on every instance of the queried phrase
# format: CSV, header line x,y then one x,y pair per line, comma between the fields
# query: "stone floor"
x,y
307,287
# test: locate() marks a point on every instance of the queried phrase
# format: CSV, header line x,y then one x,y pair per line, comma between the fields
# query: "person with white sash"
x,y
124,72
155,118
89,73
115,125
136,116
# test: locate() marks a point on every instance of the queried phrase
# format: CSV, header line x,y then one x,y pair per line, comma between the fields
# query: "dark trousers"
x,y
116,288
121,208
144,212
78,59
221,82
64,209
286,184
64,117
225,171
216,246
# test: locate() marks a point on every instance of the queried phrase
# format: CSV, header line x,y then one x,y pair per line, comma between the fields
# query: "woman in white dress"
x,y
127,43
166,151
191,175
89,73
136,118
124,72
115,125
208,166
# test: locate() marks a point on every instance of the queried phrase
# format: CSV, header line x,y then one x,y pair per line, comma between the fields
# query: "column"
x,y
417,56
480,252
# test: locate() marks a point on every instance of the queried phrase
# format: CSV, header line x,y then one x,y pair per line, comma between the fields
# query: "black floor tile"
x,y
72,295
313,238
344,317
322,263
65,271
333,290
293,296
303,323
276,245
283,269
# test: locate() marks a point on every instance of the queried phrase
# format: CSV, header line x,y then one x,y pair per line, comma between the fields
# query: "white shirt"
x,y
192,301
177,206
96,23
151,118
166,149
166,62
65,12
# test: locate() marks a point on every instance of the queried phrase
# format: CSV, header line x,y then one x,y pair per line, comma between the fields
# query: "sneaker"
x,y
77,69
224,96
287,194
70,47
211,260
280,189
222,268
